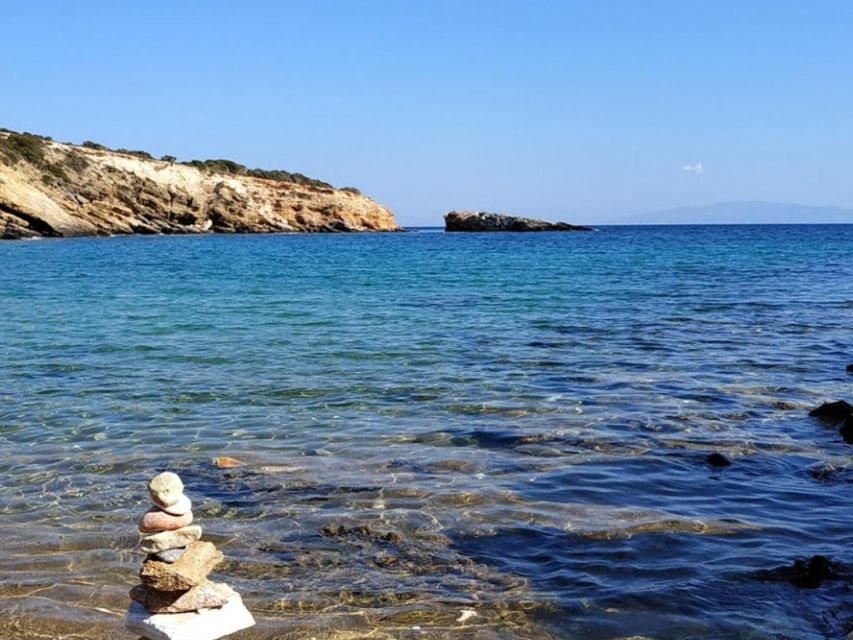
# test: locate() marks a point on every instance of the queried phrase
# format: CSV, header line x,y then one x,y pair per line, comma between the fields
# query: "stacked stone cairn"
x,y
176,601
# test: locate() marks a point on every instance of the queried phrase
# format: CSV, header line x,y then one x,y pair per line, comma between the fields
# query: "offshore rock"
x,y
170,539
188,571
48,189
207,595
482,221
207,624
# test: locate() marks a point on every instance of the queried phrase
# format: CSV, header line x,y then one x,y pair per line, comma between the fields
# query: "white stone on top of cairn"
x,y
165,489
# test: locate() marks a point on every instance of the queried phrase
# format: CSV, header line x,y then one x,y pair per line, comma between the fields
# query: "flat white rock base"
x,y
207,624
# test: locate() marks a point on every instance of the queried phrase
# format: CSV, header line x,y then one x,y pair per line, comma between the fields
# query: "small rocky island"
x,y
50,189
482,221
176,601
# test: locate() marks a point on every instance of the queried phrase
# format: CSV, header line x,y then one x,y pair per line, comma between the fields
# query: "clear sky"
x,y
583,111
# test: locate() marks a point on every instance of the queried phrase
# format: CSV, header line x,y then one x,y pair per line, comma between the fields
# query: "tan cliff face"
x,y
56,190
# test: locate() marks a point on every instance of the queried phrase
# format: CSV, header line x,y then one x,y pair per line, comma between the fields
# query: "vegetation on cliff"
x,y
27,147
30,147
51,189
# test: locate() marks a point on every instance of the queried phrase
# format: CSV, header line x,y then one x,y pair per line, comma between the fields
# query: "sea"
x,y
435,435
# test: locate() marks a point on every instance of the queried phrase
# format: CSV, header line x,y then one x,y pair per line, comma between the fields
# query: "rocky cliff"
x,y
482,221
48,189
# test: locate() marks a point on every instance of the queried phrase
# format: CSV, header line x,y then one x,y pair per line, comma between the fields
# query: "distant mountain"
x,y
747,212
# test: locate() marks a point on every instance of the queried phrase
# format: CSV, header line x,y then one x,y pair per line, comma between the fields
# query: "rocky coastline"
x,y
50,189
483,221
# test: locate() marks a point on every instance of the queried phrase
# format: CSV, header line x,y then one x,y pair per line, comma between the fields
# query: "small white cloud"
x,y
696,168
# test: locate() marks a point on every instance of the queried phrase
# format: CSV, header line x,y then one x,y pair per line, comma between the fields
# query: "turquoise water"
x,y
511,424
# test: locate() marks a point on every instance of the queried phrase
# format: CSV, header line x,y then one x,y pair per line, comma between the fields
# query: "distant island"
x,y
483,221
52,189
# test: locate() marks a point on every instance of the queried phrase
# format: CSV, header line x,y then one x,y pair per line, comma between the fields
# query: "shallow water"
x,y
512,425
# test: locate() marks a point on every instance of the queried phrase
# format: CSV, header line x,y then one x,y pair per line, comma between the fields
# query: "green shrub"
x,y
37,135
285,176
75,161
23,146
56,171
229,167
138,154
218,166
30,147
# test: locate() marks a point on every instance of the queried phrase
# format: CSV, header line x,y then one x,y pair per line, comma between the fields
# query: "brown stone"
x,y
225,462
207,595
186,572
155,520
178,538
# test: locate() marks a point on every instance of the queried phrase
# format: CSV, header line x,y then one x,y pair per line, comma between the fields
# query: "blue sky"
x,y
582,111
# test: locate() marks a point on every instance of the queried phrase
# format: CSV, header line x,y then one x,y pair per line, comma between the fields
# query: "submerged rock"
x,y
482,221
718,460
833,412
385,559
785,405
846,430
226,462
803,574
335,530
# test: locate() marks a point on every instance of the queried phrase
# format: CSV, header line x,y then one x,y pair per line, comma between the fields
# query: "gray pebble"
x,y
168,555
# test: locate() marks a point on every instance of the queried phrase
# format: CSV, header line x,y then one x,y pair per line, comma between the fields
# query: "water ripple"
x,y
513,425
